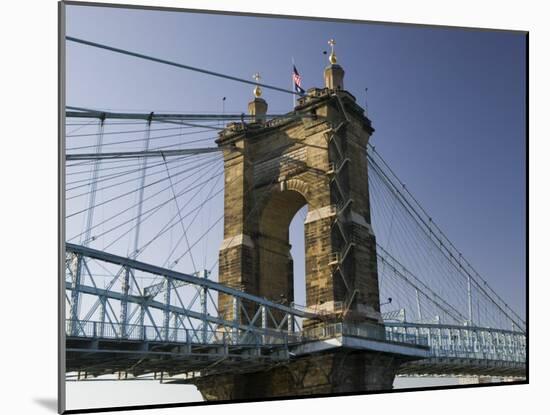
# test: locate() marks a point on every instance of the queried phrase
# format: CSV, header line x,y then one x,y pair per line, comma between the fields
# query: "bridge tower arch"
x,y
314,155
275,264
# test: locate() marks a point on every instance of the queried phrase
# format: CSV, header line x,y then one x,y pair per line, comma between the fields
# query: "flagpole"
x,y
292,84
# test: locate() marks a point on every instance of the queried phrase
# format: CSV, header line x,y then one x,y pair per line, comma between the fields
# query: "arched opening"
x,y
298,253
275,264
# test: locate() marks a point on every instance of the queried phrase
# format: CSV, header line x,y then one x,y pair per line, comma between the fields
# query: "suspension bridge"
x,y
151,198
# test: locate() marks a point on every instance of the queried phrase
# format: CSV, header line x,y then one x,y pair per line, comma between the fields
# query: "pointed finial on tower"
x,y
334,73
257,107
332,57
257,89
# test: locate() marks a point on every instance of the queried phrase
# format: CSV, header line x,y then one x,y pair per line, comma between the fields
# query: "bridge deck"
x,y
453,366
190,357
97,357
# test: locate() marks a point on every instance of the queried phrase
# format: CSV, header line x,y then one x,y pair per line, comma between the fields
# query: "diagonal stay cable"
x,y
127,131
149,174
414,213
109,168
415,242
155,209
179,212
425,289
169,225
196,209
74,130
150,197
116,175
128,193
443,238
174,120
140,249
136,140
193,221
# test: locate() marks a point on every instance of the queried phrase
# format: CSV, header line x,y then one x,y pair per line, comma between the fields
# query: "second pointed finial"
x,y
332,58
257,89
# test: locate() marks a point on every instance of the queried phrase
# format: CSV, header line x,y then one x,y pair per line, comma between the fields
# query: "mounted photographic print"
x,y
258,207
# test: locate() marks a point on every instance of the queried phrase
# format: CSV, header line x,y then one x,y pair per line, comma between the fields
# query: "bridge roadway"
x,y
431,349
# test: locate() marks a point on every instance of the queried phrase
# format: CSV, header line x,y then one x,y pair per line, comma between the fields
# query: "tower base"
x,y
329,373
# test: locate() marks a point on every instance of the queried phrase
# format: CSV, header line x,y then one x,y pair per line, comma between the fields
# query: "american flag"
x,y
297,81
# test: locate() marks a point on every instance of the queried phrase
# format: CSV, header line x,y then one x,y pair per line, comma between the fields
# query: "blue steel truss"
x,y
165,334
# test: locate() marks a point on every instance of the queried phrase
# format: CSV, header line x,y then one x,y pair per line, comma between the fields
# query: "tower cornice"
x,y
306,106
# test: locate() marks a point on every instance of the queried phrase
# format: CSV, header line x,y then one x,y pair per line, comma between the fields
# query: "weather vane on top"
x,y
257,89
332,57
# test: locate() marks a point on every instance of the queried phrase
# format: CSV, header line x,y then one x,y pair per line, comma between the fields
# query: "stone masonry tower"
x,y
314,156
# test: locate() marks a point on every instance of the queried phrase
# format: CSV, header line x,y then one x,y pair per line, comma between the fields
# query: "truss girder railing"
x,y
444,341
189,336
254,320
462,342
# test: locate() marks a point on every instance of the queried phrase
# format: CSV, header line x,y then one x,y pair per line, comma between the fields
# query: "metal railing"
x,y
177,305
464,342
444,341
134,332
252,320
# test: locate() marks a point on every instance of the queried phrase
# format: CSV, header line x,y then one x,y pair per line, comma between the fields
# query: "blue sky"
x,y
448,105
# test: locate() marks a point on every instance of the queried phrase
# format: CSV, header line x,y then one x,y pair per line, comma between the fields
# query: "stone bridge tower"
x,y
314,156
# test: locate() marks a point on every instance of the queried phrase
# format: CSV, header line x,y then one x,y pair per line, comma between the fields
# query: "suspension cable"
x,y
178,65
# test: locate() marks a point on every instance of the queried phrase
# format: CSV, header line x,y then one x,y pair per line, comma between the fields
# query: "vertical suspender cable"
x,y
75,294
135,251
142,189
91,201
470,317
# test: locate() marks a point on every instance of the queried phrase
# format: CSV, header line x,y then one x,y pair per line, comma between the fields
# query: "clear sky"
x,y
448,105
